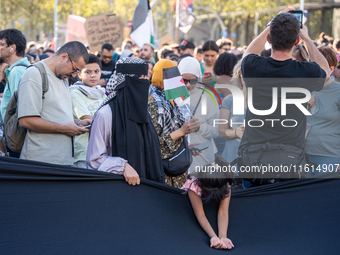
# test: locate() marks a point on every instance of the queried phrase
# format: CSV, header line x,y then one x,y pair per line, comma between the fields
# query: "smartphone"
x,y
200,147
299,15
88,127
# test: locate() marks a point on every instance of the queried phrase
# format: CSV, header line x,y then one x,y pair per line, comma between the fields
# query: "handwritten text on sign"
x,y
103,29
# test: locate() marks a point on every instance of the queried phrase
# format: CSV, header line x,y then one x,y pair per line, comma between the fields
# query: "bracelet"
x,y
78,122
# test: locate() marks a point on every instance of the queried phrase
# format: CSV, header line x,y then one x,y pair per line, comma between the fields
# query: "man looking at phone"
x,y
284,34
49,121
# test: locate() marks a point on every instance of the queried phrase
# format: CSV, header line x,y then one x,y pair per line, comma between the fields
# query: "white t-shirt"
x,y
55,107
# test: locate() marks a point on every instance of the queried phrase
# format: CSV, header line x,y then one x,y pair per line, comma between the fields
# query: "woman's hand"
x,y
190,126
239,131
216,243
227,244
195,152
131,176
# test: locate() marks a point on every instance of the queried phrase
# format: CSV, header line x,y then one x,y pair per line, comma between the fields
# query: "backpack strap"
x,y
43,74
21,64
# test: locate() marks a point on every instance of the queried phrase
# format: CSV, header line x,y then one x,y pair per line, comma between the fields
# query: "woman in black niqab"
x,y
134,137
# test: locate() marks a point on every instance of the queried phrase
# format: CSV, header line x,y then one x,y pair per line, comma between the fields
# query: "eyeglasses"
x,y
75,70
192,81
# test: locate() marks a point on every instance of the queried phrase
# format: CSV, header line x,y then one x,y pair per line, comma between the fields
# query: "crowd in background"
x,y
217,62
119,94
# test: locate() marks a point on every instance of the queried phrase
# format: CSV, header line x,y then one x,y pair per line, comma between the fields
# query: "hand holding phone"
x,y
299,15
200,147
207,74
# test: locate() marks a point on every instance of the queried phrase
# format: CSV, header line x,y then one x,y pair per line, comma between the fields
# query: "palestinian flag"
x,y
142,24
174,86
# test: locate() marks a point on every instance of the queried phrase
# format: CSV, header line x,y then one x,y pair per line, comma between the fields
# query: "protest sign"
x,y
166,39
104,29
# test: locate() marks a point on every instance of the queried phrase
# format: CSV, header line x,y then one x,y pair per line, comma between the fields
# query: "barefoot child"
x,y
86,97
212,187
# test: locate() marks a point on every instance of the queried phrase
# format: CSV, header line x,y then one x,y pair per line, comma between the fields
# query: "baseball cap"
x,y
186,44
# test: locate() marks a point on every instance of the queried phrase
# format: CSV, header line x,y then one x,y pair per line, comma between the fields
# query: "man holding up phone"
x,y
284,34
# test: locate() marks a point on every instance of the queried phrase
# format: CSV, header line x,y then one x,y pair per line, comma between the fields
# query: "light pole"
x,y
302,5
55,24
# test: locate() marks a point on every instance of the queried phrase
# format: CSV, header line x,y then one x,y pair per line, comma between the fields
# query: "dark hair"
x,y
198,50
239,56
225,63
43,56
32,55
149,62
210,45
107,46
75,50
166,53
174,57
215,185
284,30
266,53
14,36
49,50
94,59
2,61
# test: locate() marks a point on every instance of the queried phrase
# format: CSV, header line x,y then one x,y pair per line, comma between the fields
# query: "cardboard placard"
x,y
166,39
104,29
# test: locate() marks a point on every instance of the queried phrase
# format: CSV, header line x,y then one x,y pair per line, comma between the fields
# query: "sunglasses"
x,y
191,81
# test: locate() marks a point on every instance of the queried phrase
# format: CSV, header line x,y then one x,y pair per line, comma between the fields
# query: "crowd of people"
x,y
108,111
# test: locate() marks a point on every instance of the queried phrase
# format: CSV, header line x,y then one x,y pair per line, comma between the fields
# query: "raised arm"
x,y
315,54
257,45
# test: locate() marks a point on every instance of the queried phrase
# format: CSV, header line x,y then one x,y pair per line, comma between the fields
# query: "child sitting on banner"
x,y
86,97
206,186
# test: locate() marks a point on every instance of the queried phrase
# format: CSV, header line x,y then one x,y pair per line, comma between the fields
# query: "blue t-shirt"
x,y
13,75
324,136
231,146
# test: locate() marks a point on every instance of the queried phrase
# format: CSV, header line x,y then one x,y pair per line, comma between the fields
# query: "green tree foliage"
x,y
33,16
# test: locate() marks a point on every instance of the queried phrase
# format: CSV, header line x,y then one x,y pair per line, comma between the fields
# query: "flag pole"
x,y
177,21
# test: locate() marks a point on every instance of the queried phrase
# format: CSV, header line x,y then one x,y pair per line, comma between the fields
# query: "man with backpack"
x,y
47,113
12,50
274,139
